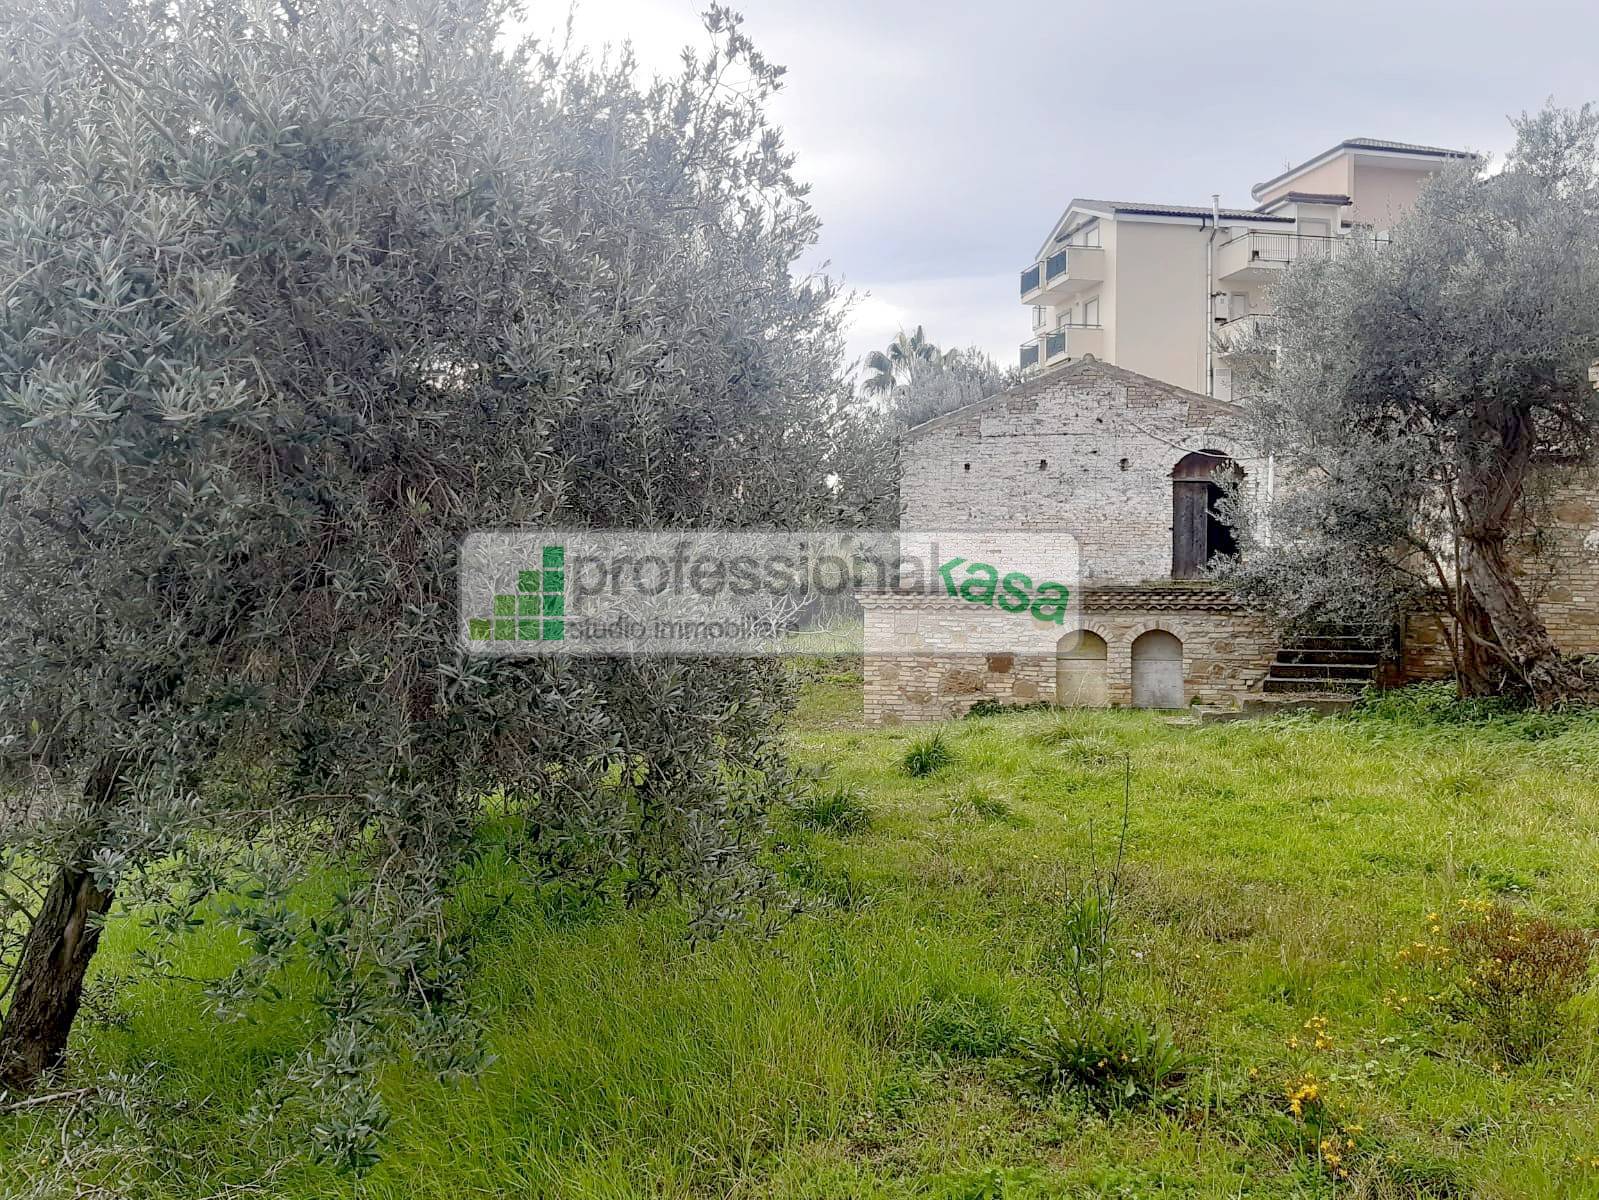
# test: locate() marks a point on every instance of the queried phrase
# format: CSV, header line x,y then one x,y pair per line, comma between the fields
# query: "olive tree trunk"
x,y
1531,654
55,957
1492,486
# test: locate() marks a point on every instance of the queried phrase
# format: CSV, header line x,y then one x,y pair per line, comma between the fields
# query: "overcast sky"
x,y
943,138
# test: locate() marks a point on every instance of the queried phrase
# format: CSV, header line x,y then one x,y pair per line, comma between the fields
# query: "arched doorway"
x,y
1198,534
1158,670
1080,675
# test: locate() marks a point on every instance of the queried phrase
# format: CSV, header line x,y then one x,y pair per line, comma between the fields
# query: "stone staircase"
x,y
1328,664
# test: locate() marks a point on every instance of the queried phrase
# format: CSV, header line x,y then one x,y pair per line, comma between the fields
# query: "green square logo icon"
x,y
554,557
527,581
504,630
479,630
554,604
527,631
555,631
505,606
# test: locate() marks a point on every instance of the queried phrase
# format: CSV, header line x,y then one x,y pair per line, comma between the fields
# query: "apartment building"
x,y
1162,289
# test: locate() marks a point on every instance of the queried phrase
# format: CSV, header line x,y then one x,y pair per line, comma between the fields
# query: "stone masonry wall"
x,y
916,668
1559,572
1088,448
1563,578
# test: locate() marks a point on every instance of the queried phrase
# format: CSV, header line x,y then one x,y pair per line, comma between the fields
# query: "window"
x,y
1091,311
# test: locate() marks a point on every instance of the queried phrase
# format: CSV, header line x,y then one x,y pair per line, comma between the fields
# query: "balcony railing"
x,y
1070,269
1073,341
1029,355
1257,253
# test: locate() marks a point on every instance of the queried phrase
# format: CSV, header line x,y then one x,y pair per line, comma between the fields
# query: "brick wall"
x,y
1563,578
1559,573
917,667
1423,651
1088,448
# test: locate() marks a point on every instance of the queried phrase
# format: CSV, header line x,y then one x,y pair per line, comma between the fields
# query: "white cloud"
x,y
941,139
979,310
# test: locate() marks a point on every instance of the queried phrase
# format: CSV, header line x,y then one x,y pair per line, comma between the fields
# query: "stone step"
x,y
1296,654
1277,683
1336,641
1322,670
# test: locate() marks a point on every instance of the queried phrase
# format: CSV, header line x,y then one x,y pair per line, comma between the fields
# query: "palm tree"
x,y
888,369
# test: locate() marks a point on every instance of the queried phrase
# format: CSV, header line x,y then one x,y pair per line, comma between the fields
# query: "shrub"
x,y
837,810
927,755
1113,1060
1515,975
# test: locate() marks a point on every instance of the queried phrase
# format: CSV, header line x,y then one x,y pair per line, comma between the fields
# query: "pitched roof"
x,y
1365,143
1146,208
1088,367
1361,143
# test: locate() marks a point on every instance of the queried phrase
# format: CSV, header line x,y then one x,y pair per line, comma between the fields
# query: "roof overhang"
x,y
1306,198
1420,158
1080,212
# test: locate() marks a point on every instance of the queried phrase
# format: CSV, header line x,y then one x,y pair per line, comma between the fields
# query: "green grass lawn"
x,y
872,1045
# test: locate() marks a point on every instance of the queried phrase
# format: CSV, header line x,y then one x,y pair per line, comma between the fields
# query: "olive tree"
x,y
1422,393
294,296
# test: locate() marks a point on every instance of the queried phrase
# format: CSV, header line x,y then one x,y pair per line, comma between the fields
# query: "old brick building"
x,y
1126,465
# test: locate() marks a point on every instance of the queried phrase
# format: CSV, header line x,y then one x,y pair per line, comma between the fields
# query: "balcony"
x,y
1030,353
1073,341
1072,269
1232,336
1257,256
1069,270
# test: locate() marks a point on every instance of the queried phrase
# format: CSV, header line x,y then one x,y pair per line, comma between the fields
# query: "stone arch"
x,y
1198,534
1158,670
1082,665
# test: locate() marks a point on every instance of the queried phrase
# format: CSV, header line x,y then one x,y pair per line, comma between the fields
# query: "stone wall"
x,y
918,668
1559,571
1423,651
1562,573
1088,448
